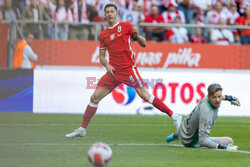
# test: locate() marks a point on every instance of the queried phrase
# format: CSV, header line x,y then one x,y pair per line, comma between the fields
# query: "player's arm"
x,y
138,38
105,63
205,126
233,100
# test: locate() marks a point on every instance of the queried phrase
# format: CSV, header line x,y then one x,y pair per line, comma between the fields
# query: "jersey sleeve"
x,y
29,53
101,42
129,28
205,126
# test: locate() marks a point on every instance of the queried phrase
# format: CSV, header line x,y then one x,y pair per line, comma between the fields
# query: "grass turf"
x,y
29,140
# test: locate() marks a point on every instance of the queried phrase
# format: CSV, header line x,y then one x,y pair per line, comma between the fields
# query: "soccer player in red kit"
x,y
120,68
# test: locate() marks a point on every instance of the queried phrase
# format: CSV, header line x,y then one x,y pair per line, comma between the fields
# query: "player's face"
x,y
215,99
30,38
111,15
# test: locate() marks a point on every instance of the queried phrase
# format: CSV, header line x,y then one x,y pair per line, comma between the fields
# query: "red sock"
x,y
89,113
162,107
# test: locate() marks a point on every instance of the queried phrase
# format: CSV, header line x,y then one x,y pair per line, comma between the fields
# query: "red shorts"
x,y
129,76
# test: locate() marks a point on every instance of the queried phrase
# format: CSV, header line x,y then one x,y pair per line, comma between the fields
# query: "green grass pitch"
x,y
37,140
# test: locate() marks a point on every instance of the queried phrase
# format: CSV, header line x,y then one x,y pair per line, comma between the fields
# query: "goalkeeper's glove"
x,y
233,100
228,147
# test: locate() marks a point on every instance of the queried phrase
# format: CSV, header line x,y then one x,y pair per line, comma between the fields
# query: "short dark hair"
x,y
212,88
110,5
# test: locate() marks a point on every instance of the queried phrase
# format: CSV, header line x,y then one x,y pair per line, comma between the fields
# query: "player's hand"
x,y
110,70
135,32
231,147
233,100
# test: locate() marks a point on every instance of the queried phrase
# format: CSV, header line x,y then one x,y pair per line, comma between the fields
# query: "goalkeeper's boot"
x,y
177,121
231,147
80,132
171,138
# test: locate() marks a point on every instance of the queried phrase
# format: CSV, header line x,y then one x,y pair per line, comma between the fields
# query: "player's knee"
x,y
94,99
144,95
230,140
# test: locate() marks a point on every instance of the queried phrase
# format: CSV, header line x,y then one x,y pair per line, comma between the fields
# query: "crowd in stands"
x,y
217,12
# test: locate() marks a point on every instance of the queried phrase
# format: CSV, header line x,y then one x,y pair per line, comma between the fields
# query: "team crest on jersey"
x,y
112,36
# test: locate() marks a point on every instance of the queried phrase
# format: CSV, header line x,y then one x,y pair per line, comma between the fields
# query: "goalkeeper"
x,y
195,129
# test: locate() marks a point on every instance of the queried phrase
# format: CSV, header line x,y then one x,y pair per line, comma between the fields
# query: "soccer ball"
x,y
99,154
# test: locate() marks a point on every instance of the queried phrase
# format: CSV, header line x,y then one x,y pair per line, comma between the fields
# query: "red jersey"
x,y
150,19
244,21
196,39
117,41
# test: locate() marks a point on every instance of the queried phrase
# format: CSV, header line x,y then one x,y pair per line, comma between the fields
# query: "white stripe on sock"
x,y
93,105
151,99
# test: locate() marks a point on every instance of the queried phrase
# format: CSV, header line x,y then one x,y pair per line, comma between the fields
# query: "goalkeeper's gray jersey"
x,y
197,125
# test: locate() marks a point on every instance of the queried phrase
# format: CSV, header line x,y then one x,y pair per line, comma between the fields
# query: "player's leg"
x,y
222,140
134,79
104,87
98,95
174,136
156,102
90,111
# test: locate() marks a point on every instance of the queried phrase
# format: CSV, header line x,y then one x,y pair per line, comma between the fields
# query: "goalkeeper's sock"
x,y
160,105
89,113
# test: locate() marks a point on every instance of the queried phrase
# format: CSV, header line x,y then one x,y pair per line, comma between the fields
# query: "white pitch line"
x,y
109,125
94,125
112,144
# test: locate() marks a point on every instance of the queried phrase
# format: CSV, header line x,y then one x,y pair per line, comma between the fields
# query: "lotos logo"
x,y
123,94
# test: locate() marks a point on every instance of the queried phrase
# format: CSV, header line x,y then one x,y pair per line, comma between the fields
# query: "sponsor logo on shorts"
x,y
124,94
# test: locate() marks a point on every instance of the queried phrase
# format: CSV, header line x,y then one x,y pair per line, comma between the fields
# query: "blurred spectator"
x,y
233,15
82,13
34,13
9,12
245,20
162,5
127,4
172,12
46,6
154,33
100,8
24,57
214,15
222,36
197,37
199,9
52,6
62,15
1,17
21,5
93,3
1,2
226,5
204,5
243,5
28,2
177,34
138,8
133,16
225,2
146,6
184,6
